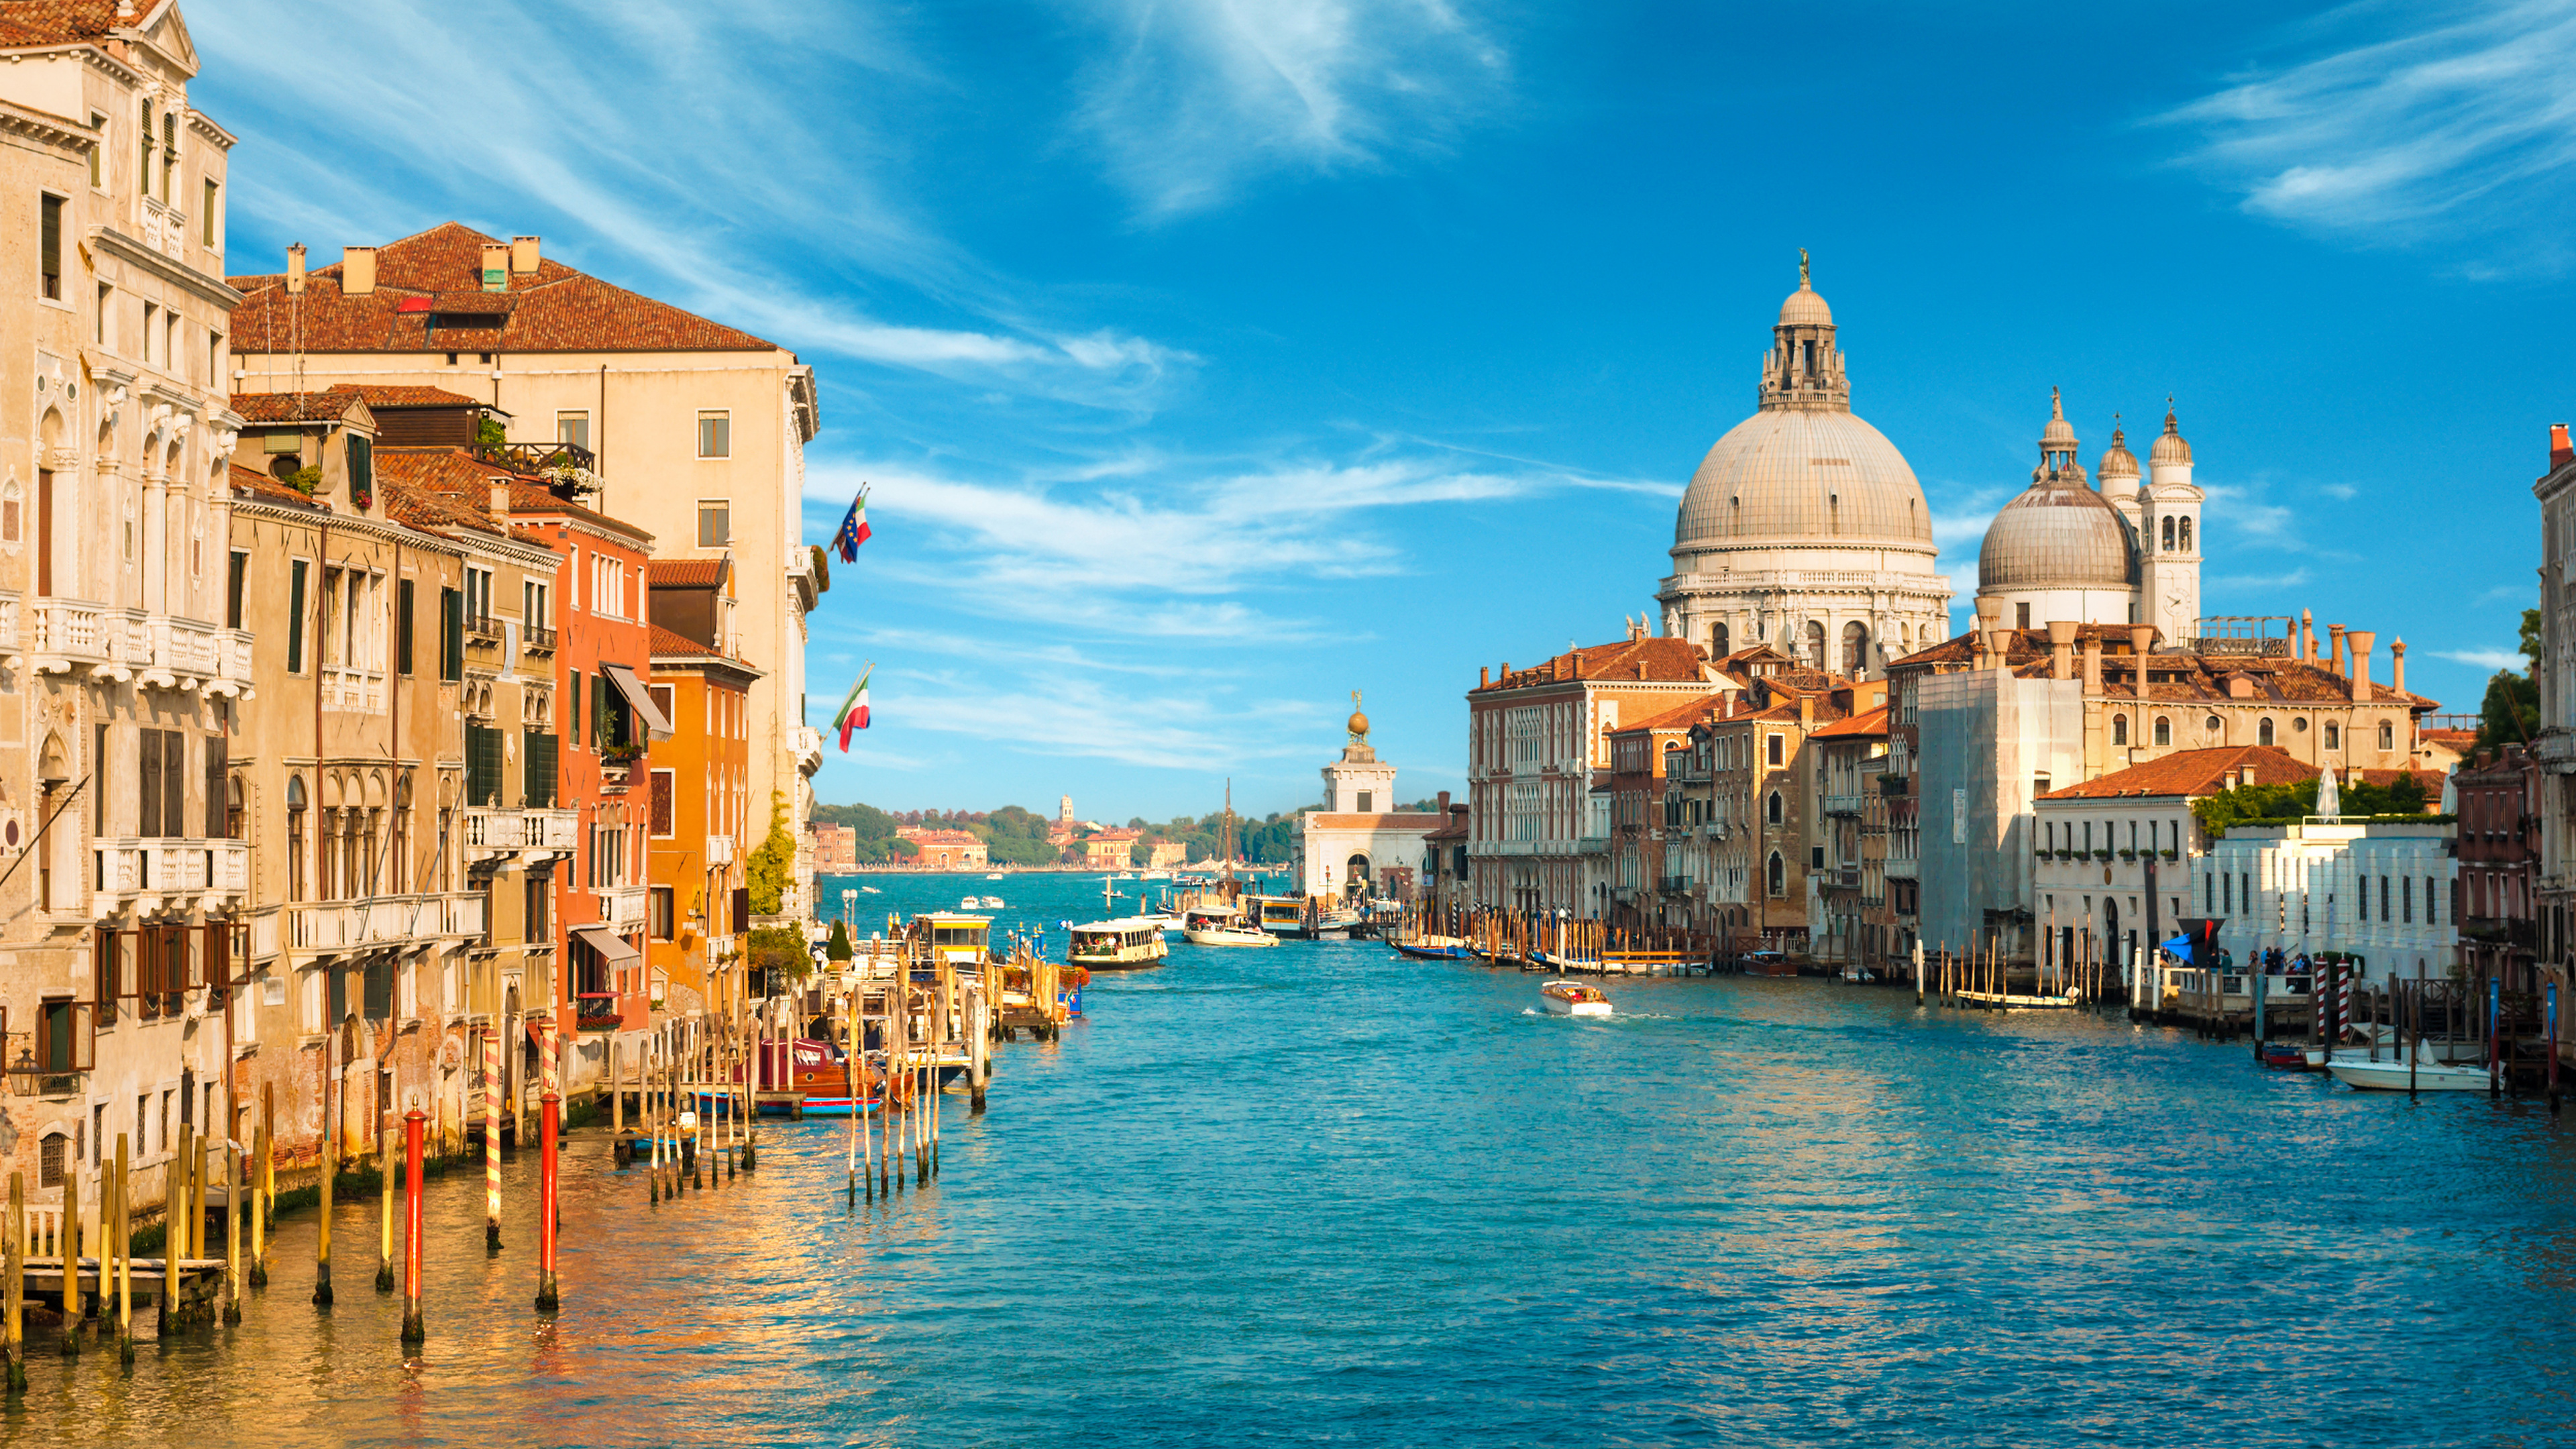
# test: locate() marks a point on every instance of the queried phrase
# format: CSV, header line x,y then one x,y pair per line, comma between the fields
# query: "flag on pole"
x,y
854,529
854,710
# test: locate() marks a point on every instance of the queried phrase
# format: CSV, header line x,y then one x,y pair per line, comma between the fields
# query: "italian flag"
x,y
854,710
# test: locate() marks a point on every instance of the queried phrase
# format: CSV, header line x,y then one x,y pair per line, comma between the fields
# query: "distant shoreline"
x,y
979,872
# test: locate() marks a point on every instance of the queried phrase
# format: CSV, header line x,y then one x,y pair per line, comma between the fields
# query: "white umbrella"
x,y
2329,798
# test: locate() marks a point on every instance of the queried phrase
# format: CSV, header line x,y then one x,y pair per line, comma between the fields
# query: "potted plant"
x,y
2172,854
2129,853
2102,854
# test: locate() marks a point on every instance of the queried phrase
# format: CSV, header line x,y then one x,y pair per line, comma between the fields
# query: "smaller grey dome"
x,y
2057,534
2119,462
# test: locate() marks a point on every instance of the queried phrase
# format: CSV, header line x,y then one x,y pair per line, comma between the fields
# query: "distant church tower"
x,y
1064,810
2170,540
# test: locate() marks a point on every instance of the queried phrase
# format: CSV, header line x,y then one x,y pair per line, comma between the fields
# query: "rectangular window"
x,y
573,428
482,766
538,920
49,246
665,787
402,624
451,635
98,152
2431,916
147,757
295,616
715,522
218,763
539,753
574,696
106,305
534,607
663,914
236,581
2406,897
213,191
665,698
362,467
1366,796
151,316
715,435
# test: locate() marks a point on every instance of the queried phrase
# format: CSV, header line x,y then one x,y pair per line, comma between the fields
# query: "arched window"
x,y
2119,729
236,809
2334,735
1771,808
2263,731
1717,645
2186,535
1855,649
2164,729
1814,644
2387,736
295,827
1779,875
2168,531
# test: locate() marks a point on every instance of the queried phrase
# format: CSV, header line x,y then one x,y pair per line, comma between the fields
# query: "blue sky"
x,y
1210,360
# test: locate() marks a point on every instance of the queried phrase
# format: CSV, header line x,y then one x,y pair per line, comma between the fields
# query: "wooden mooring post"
x,y
491,1141
549,1204
17,1290
415,1330
121,1238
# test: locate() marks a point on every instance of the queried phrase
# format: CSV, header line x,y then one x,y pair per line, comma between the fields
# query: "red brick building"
x,y
2499,808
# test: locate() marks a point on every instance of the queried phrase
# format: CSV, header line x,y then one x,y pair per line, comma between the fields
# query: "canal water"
x,y
1322,1195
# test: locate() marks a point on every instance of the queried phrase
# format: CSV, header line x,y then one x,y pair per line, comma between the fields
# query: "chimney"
x,y
2307,637
2561,452
1444,795
2397,652
2360,639
496,267
2061,648
358,271
2142,642
1806,711
500,500
295,269
2093,665
523,255
2338,662
1484,677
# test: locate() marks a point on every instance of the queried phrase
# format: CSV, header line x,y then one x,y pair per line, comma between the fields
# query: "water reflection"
x,y
1315,1194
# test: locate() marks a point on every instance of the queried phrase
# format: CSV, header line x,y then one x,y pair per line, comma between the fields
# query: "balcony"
x,y
380,920
353,691
808,746
719,850
482,629
1840,877
170,653
69,635
2556,751
537,639
1673,885
165,229
553,829
621,908
148,875
1840,804
490,833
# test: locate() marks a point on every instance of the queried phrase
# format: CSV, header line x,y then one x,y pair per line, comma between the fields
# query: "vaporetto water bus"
x,y
1130,943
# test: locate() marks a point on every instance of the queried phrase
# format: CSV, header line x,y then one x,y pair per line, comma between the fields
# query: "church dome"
x,y
2119,462
2057,534
1805,309
1799,476
2171,448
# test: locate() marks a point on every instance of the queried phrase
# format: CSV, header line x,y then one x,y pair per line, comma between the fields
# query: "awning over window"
x,y
640,697
610,948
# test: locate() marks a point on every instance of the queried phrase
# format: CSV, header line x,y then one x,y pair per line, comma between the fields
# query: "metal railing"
x,y
536,636
482,628
1840,804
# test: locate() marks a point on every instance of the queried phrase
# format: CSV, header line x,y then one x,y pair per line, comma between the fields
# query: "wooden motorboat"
x,y
1450,952
1130,943
2286,1056
1568,998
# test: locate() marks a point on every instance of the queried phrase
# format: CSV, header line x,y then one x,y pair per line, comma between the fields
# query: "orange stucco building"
x,y
698,805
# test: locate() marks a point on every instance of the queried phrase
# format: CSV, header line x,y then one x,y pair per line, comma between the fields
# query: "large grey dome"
x,y
2057,534
1804,476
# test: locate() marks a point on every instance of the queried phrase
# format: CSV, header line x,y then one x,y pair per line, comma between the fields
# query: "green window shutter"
x,y
402,625
147,756
599,711
295,617
574,694
451,635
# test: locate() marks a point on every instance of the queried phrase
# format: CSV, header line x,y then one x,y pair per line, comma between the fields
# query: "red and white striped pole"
x,y
491,1140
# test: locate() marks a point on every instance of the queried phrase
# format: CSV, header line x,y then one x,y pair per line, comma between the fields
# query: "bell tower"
x,y
1359,782
2169,543
1804,369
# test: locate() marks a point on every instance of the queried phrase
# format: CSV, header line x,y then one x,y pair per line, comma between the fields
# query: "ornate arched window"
x,y
1771,808
1855,648
1779,875
2164,730
2263,730
2119,729
296,882
2387,736
2168,532
1813,641
1717,645
2186,535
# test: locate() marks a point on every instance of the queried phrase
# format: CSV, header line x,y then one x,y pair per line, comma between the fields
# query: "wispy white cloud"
x,y
1195,98
2342,492
2503,593
2242,510
2291,580
1070,715
2482,658
2462,122
671,146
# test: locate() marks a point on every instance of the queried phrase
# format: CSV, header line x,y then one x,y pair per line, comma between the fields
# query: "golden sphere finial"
x,y
1358,722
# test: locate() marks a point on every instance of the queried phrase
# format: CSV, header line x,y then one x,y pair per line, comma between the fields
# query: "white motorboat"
x,y
996,875
1568,998
870,891
2362,1074
1222,926
969,903
992,903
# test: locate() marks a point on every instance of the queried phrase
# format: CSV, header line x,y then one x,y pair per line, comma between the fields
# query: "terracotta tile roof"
x,y
2277,679
63,22
380,397
2430,780
429,297
1872,725
328,405
919,835
663,641
252,483
686,573
1652,659
465,482
2195,773
1456,829
1679,717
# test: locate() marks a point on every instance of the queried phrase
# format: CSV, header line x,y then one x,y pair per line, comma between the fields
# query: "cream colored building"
x,y
120,678
1804,527
698,430
2126,553
1361,843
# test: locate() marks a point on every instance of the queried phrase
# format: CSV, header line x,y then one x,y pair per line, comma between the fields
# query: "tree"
x,y
771,868
490,436
838,948
2510,713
